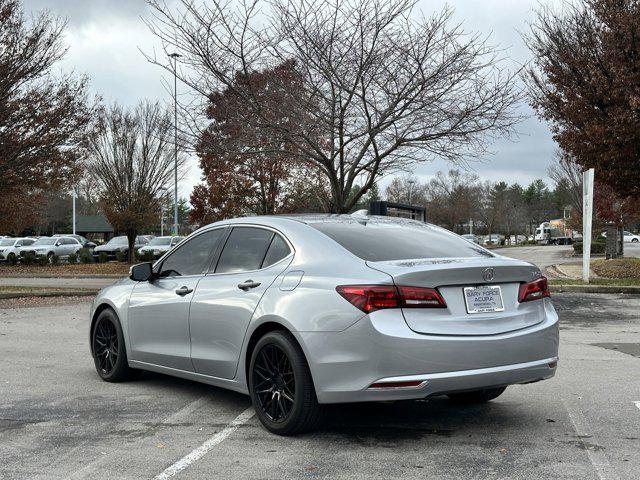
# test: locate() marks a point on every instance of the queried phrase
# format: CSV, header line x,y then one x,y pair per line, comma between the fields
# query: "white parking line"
x,y
597,457
637,405
202,450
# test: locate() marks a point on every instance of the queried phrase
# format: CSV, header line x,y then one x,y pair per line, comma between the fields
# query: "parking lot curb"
x,y
629,289
50,293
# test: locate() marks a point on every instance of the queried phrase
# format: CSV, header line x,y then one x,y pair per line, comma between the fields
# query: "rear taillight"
x,y
534,290
370,298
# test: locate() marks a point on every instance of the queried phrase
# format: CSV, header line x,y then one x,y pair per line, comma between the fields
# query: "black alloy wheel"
x,y
274,383
108,349
281,386
106,345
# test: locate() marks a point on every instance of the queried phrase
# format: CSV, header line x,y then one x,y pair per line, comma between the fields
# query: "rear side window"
x,y
276,252
379,241
244,250
192,257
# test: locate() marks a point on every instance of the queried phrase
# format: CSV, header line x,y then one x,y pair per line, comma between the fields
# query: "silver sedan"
x,y
304,311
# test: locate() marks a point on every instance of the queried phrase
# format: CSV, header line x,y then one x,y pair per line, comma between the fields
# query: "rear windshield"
x,y
380,241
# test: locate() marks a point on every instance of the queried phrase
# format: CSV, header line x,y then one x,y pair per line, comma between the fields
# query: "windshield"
x,y
118,241
7,242
380,240
45,241
160,241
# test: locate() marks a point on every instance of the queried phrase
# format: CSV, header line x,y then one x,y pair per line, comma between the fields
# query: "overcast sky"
x,y
104,38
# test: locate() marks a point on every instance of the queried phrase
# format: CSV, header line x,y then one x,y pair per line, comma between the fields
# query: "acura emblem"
x,y
487,274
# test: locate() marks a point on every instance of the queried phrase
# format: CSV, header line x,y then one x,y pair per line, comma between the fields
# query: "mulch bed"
x,y
110,268
617,268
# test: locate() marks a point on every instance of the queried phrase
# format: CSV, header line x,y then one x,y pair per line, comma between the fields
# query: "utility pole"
x,y
175,57
410,183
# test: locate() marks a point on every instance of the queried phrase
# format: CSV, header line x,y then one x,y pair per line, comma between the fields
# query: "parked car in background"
x,y
86,243
10,247
119,244
471,237
631,237
50,246
493,239
160,245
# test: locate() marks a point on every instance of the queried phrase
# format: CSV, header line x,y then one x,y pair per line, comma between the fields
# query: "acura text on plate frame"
x,y
483,299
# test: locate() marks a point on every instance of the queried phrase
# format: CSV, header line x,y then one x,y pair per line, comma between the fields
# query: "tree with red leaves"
x,y
43,119
248,167
586,82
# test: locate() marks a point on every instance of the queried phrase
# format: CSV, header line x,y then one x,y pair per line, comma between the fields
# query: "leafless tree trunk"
x,y
383,88
132,158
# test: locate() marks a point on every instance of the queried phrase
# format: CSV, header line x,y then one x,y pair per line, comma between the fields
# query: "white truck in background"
x,y
556,232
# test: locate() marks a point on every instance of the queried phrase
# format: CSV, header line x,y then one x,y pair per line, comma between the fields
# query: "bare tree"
x,y
132,158
384,88
454,198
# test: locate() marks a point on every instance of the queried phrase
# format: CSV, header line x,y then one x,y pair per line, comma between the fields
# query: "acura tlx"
x,y
303,311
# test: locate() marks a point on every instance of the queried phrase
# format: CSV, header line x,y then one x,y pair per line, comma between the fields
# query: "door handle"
x,y
182,291
248,285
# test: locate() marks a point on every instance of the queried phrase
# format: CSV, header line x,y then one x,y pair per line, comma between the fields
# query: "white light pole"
x,y
587,218
73,202
175,57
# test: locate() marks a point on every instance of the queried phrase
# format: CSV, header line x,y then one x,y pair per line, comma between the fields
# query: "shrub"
x,y
85,256
597,246
55,259
120,256
146,256
43,260
103,257
28,258
73,258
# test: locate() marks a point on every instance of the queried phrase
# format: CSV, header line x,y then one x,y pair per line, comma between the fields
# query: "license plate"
x,y
483,299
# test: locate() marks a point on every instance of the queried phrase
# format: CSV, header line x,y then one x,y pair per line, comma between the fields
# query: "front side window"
x,y
244,250
193,256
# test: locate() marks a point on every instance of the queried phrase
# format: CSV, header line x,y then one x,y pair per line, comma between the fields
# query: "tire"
x,y
477,396
12,259
49,257
278,369
106,334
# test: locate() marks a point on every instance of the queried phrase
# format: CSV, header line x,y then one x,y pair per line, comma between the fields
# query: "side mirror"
x,y
58,244
142,272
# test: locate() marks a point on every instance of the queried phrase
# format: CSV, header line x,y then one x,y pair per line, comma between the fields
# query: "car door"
x,y
71,245
159,309
225,300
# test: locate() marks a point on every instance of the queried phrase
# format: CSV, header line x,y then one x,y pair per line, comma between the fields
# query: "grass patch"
x,y
617,282
628,268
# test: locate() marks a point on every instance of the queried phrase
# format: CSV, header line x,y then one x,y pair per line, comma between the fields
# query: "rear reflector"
x,y
370,298
409,384
534,290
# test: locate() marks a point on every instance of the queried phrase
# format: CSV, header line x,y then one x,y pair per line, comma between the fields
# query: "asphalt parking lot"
x,y
58,420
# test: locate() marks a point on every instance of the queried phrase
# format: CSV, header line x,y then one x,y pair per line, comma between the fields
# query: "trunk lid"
x,y
450,276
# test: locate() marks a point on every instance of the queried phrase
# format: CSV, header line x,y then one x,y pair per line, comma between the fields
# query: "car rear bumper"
x,y
381,348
